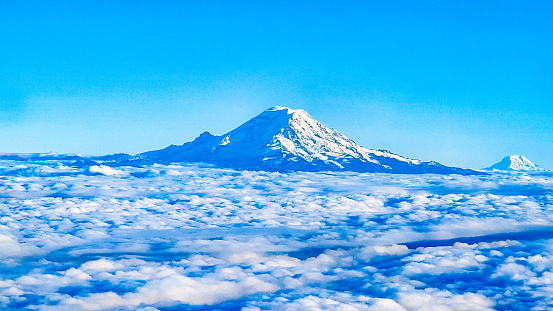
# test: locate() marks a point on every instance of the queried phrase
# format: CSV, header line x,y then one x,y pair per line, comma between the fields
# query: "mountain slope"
x,y
516,163
284,139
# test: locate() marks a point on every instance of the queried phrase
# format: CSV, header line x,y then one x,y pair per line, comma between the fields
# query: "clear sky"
x,y
464,83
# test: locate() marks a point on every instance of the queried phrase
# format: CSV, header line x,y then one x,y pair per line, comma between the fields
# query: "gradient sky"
x,y
464,83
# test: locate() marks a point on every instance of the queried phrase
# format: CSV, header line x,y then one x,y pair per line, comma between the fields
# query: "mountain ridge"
x,y
284,139
278,139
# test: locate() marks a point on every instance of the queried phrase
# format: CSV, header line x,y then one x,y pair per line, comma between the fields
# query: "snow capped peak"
x,y
285,109
284,113
516,163
285,139
281,132
277,108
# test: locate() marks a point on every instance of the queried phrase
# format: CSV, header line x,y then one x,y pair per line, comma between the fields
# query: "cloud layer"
x,y
191,236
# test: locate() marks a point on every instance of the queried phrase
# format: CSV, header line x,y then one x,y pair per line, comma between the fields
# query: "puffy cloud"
x,y
177,288
188,235
515,271
391,250
104,170
11,247
444,300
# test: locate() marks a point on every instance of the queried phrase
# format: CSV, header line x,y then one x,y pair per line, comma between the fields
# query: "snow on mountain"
x,y
284,139
516,163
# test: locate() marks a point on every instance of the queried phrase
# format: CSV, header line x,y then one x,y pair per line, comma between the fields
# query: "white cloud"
x,y
177,288
391,249
515,271
432,300
104,170
190,235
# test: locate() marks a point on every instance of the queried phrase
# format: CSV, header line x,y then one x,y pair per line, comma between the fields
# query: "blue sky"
x,y
462,83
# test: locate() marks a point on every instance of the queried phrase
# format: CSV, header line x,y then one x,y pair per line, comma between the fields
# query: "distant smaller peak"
x,y
516,163
517,157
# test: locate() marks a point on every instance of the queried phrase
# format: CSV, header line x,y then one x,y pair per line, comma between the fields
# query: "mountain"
x,y
516,163
39,156
284,139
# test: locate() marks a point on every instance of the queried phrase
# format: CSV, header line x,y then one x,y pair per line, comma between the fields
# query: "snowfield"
x,y
195,237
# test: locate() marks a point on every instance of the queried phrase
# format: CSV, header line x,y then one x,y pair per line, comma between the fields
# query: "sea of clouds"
x,y
195,237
